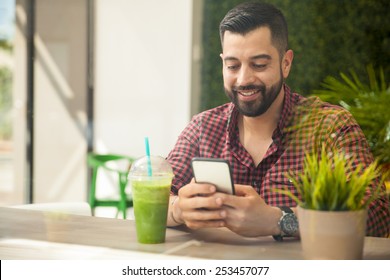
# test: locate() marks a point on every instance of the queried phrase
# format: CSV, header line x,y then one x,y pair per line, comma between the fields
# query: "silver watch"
x,y
288,224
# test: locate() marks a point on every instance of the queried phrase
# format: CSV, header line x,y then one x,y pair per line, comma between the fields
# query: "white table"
x,y
26,234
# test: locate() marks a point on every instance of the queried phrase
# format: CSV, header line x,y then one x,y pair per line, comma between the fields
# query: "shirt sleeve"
x,y
181,155
351,141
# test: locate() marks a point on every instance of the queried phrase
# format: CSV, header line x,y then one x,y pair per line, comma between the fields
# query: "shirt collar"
x,y
232,120
287,109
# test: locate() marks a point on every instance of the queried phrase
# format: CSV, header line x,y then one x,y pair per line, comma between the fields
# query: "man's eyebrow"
x,y
262,56
230,58
259,56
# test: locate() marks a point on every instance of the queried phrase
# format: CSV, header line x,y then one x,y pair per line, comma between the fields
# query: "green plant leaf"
x,y
367,102
330,182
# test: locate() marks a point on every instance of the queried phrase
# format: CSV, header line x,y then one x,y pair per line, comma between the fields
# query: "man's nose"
x,y
245,76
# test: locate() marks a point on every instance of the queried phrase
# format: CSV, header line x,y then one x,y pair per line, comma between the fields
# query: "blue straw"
x,y
148,156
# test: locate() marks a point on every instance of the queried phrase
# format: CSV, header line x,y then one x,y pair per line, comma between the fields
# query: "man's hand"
x,y
199,206
247,213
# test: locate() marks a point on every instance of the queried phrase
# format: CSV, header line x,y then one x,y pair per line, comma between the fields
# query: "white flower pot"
x,y
332,234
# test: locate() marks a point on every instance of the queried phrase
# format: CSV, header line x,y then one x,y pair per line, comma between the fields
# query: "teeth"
x,y
248,93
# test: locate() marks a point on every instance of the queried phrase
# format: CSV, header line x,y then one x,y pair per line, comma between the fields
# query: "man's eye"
x,y
259,66
232,67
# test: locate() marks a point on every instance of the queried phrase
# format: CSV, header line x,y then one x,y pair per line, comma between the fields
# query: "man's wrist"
x,y
275,230
174,210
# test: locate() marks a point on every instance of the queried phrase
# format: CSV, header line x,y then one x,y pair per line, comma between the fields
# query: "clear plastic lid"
x,y
153,166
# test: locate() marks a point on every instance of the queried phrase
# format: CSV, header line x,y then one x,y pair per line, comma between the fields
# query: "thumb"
x,y
244,190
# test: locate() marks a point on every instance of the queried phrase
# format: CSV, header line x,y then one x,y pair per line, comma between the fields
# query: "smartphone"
x,y
213,171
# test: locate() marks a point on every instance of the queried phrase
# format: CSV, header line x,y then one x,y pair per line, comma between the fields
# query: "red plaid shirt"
x,y
214,134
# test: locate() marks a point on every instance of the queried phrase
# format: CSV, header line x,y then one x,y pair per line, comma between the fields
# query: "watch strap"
x,y
284,209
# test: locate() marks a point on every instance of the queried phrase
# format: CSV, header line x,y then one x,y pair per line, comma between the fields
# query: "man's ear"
x,y
287,62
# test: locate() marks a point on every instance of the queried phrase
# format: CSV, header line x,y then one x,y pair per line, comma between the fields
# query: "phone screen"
x,y
213,171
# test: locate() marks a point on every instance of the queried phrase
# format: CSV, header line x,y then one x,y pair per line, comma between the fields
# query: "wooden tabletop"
x,y
66,236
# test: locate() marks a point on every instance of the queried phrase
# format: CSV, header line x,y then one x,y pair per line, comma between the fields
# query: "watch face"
x,y
289,224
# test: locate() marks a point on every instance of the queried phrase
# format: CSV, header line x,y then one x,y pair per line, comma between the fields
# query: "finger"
x,y
204,215
244,190
196,202
195,189
204,219
205,224
239,200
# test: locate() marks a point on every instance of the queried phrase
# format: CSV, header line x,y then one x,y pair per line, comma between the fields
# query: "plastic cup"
x,y
151,197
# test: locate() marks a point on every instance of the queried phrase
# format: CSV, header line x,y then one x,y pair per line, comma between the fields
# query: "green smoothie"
x,y
151,199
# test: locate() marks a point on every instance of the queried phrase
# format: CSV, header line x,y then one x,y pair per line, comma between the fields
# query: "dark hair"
x,y
249,16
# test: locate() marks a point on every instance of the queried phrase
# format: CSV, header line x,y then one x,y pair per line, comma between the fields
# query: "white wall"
x,y
143,74
19,105
60,171
143,58
60,101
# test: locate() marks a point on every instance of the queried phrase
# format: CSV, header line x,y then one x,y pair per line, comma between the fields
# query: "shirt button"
x,y
255,183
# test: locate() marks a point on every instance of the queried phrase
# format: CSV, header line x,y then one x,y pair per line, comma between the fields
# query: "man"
x,y
252,133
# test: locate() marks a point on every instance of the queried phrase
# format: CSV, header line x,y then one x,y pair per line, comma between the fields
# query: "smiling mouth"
x,y
248,93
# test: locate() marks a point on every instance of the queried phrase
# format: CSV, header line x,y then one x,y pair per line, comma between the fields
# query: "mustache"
x,y
249,87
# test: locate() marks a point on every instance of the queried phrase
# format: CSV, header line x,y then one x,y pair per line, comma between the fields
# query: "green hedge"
x,y
328,37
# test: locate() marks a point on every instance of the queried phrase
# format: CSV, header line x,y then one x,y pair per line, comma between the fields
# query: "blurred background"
x,y
80,76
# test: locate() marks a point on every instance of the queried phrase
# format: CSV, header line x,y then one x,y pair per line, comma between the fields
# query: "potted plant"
x,y
369,103
332,204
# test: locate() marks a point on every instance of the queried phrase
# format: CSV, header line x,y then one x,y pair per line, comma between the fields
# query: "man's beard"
x,y
260,105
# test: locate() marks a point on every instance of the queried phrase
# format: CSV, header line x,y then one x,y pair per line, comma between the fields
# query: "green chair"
x,y
101,162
